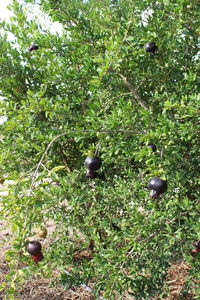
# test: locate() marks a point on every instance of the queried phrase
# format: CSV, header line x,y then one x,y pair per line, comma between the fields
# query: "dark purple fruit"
x,y
33,47
93,163
34,247
157,186
197,244
153,147
151,48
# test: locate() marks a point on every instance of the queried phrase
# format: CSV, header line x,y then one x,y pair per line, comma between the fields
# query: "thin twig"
x,y
119,49
117,130
105,107
134,92
45,152
63,134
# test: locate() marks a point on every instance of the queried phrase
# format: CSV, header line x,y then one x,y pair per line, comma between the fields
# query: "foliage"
x,y
95,87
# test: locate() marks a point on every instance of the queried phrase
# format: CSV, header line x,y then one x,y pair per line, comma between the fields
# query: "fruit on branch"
x,y
92,163
34,247
42,233
151,48
157,186
153,147
33,47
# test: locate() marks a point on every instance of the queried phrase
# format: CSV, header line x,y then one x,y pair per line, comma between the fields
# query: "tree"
x,y
96,88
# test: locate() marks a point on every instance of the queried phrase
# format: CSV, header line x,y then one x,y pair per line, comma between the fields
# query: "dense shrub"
x,y
95,88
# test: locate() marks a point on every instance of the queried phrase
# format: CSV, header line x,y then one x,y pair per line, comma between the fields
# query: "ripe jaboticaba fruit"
x,y
157,186
153,147
34,247
92,163
33,47
151,48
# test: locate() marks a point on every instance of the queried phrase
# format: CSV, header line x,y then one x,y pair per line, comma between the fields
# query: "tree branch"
x,y
41,160
134,92
65,133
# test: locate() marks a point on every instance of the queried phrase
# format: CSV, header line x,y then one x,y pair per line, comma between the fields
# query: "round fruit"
x,y
33,47
153,147
34,247
42,233
93,163
157,186
150,47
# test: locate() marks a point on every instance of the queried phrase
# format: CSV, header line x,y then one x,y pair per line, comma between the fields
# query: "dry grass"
x,y
38,288
176,280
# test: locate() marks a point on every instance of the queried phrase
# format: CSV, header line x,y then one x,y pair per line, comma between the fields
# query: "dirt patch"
x,y
39,289
176,280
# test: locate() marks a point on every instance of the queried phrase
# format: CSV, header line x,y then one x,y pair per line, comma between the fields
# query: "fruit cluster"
x,y
150,47
156,185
